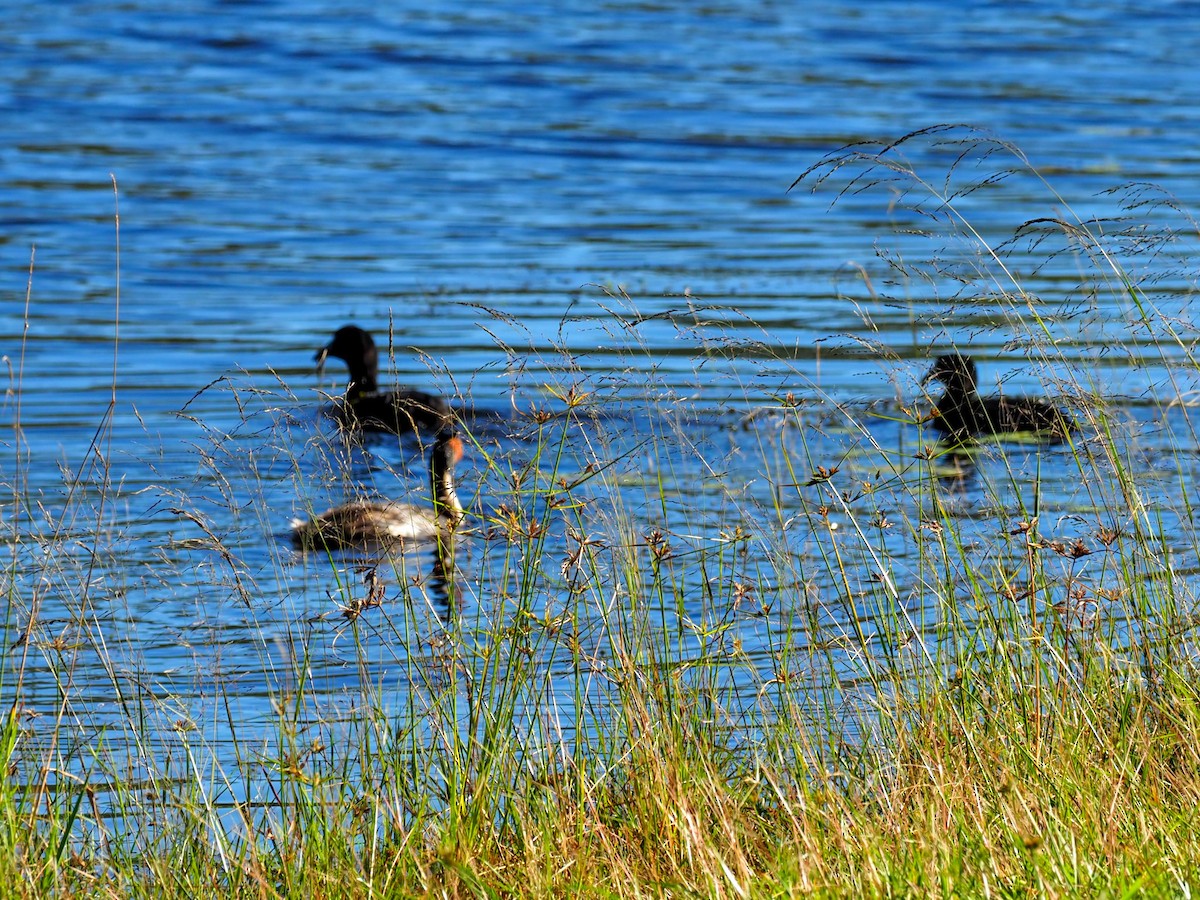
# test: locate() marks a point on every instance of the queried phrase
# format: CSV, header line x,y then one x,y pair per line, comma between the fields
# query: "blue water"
x,y
486,182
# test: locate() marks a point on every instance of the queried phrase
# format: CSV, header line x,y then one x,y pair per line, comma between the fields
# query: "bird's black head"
x,y
351,344
356,348
955,371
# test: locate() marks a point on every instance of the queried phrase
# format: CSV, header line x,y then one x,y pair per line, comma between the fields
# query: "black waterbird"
x,y
398,412
961,414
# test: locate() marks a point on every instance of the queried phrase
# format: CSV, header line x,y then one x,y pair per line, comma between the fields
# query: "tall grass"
x,y
877,668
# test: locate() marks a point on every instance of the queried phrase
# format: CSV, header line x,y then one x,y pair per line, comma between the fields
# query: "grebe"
x,y
398,412
362,524
962,414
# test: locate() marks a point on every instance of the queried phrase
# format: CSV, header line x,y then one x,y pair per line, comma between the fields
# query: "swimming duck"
x,y
962,414
399,411
363,524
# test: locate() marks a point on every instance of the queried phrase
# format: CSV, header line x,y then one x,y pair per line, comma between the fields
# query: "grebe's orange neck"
x,y
446,454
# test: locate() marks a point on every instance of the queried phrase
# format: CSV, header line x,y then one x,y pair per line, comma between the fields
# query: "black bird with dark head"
x,y
961,414
400,411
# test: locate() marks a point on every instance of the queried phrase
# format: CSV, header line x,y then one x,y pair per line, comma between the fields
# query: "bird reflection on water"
x,y
438,587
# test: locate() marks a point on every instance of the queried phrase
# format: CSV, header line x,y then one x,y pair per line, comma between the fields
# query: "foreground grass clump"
x,y
804,654
1103,804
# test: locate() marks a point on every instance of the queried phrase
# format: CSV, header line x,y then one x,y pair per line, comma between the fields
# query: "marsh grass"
x,y
790,648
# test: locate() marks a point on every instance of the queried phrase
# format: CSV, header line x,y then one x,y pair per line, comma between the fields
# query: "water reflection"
x,y
379,570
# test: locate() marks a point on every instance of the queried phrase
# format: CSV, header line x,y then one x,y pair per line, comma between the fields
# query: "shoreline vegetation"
x,y
955,701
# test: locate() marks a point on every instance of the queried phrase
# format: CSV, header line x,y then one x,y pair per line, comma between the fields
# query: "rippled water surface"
x,y
520,200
